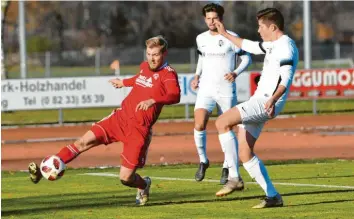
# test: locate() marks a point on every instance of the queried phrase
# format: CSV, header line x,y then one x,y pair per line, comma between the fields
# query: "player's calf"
x,y
129,183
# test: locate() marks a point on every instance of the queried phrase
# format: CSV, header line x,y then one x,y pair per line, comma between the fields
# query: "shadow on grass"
x,y
75,201
323,202
248,198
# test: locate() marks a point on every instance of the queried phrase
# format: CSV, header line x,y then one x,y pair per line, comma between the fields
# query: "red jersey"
x,y
161,85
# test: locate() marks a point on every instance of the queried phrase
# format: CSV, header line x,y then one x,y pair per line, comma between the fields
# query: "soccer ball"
x,y
52,168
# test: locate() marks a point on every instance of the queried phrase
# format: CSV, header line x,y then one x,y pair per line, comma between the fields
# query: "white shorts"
x,y
209,103
253,115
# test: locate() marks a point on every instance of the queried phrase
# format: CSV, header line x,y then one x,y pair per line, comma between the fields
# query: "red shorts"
x,y
136,139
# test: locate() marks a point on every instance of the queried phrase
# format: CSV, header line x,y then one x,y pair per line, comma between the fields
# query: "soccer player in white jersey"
x,y
215,77
281,58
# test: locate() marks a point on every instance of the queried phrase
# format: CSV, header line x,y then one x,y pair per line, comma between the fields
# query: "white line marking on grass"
x,y
217,181
314,185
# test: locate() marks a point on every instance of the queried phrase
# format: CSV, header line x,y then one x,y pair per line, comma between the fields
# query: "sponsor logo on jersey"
x,y
144,81
221,43
214,54
156,76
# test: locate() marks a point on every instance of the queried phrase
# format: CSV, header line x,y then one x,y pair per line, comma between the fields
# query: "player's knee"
x,y
221,125
199,126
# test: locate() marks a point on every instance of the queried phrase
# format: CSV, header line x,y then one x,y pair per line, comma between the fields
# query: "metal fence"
x,y
96,61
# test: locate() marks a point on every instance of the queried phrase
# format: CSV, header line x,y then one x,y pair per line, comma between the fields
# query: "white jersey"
x,y
217,57
279,65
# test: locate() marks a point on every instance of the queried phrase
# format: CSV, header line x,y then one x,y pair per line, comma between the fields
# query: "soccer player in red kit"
x,y
156,85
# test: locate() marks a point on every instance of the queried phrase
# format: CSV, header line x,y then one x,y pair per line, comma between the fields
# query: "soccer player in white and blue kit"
x,y
280,61
215,76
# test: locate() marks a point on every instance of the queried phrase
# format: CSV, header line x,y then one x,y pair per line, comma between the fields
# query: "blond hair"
x,y
157,41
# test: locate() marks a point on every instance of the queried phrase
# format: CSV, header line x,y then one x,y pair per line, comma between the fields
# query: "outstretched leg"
x,y
67,153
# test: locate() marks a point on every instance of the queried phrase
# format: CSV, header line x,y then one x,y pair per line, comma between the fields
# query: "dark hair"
x,y
212,7
272,15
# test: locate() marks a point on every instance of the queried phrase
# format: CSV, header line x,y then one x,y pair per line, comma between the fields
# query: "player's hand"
x,y
145,105
270,107
230,77
195,82
117,83
220,27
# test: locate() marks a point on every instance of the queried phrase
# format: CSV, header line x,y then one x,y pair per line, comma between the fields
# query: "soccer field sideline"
x,y
217,181
191,120
324,130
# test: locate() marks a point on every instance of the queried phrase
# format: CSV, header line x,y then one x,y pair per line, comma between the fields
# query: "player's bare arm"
x,y
270,104
117,83
128,82
221,30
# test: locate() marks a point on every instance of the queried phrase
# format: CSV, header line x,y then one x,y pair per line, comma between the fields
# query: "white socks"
x,y
229,145
200,143
257,170
224,165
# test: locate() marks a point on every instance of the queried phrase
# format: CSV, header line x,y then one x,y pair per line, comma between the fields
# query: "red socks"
x,y
68,153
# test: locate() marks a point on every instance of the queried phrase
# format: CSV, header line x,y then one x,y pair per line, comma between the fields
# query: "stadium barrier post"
x,y
97,61
47,64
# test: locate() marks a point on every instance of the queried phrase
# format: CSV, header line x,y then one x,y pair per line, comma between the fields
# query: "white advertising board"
x,y
81,92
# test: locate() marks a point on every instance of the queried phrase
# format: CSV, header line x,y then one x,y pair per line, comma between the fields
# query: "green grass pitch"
x,y
86,196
